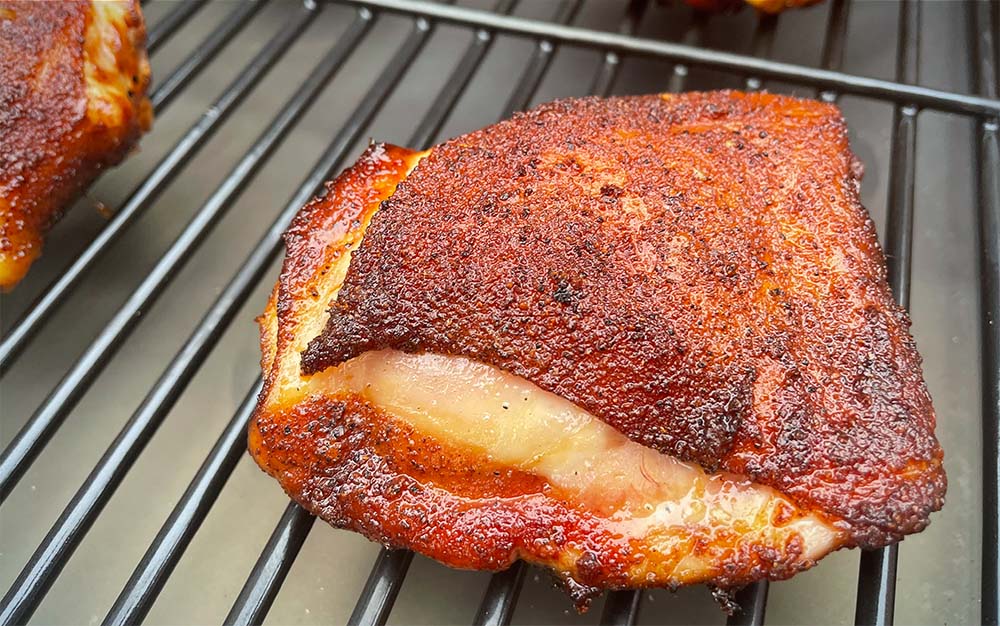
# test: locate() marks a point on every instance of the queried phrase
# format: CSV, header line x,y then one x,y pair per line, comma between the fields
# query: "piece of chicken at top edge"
x,y
640,341
73,83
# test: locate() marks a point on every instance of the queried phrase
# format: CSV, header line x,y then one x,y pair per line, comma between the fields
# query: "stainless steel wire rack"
x,y
421,71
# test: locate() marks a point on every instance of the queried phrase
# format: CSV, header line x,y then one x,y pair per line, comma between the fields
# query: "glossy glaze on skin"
x,y
694,270
459,498
73,80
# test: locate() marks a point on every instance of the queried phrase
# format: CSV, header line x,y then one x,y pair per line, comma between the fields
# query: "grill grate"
x,y
877,575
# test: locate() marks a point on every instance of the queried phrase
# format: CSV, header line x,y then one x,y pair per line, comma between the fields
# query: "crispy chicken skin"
x,y
694,271
73,79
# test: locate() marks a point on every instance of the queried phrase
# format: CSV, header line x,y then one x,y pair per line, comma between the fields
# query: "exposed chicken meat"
x,y
642,341
73,79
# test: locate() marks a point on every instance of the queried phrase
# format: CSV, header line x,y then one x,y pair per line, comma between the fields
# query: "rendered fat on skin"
x,y
475,464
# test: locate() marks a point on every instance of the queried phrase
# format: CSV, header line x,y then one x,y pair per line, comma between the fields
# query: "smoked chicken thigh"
x,y
73,80
642,341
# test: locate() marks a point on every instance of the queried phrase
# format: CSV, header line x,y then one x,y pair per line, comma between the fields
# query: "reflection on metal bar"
x,y
605,79
985,33
738,63
877,574
989,264
762,44
500,597
835,42
383,585
54,294
165,90
693,36
272,566
161,31
445,101
541,58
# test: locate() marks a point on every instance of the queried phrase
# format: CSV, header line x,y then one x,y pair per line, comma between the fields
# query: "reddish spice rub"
x,y
59,126
696,270
358,468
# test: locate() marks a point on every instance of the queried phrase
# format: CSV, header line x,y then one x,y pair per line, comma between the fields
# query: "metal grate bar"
x,y
738,63
541,58
877,574
94,494
348,135
383,585
205,52
239,288
269,572
986,31
835,42
989,226
605,79
500,597
142,197
158,562
445,101
752,600
693,36
622,607
41,426
762,44
52,554
116,462
160,32
377,607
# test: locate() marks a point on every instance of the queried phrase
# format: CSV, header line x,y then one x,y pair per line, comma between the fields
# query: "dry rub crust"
x,y
696,270
73,80
358,468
